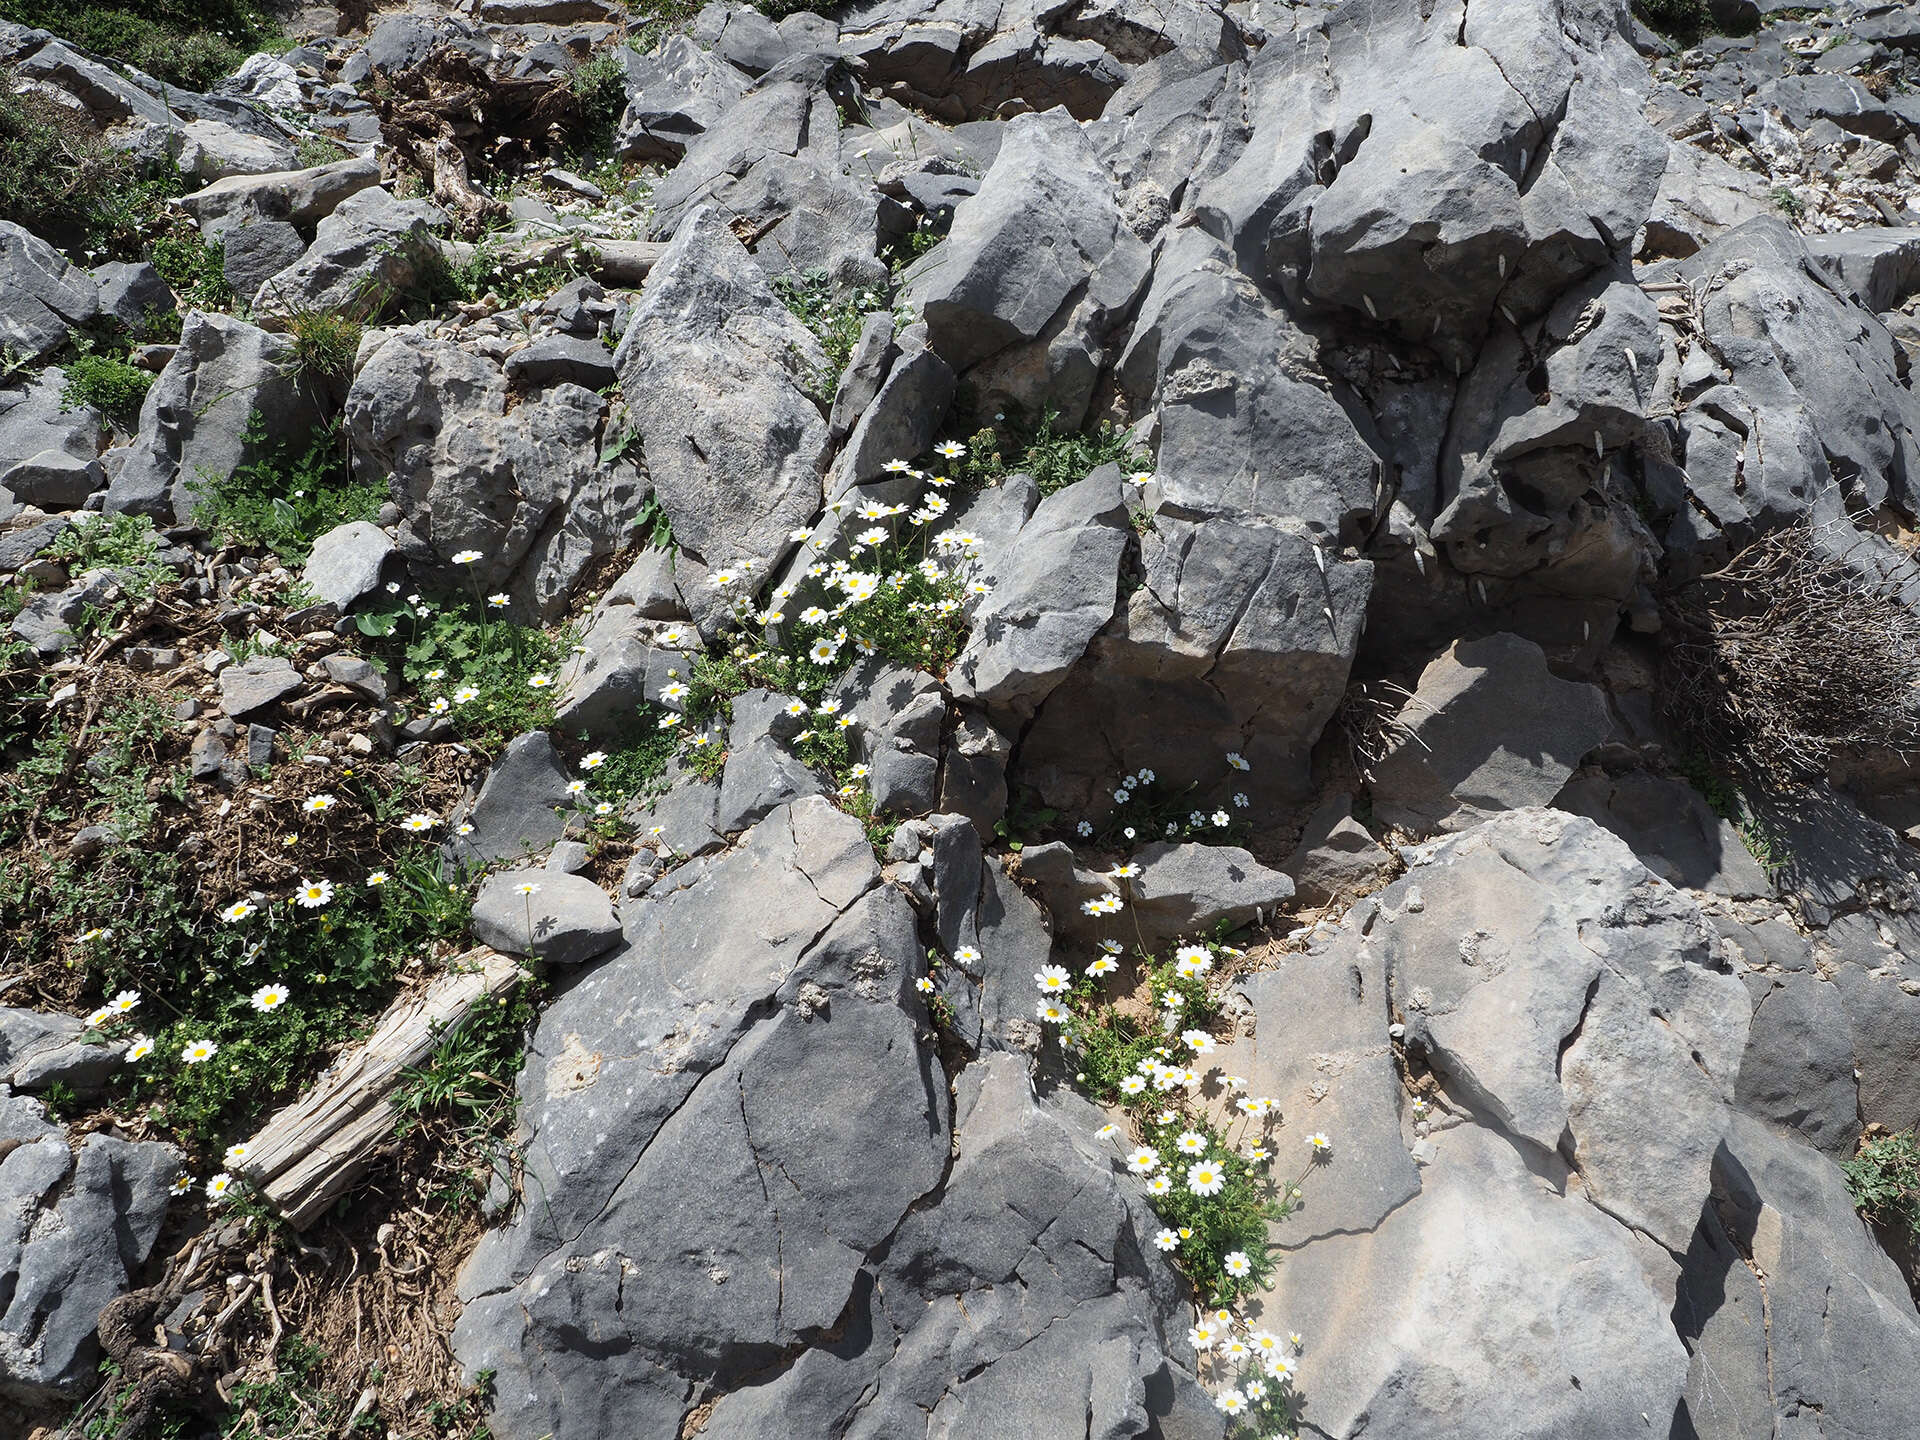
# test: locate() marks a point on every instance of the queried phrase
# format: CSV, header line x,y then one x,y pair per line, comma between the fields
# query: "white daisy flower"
x,y
269,998
312,894
1206,1178
197,1051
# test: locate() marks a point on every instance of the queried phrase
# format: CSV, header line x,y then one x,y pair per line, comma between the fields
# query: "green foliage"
x,y
901,251
635,759
1056,459
835,319
599,88
340,965
287,496
1723,797
471,1070
913,611
1682,20
1884,1180
70,186
487,271
312,150
492,678
125,544
195,268
654,20
107,383
1123,1057
190,43
1152,810
653,525
324,343
1789,202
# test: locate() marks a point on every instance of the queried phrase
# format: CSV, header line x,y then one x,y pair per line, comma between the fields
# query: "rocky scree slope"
x,y
1445,346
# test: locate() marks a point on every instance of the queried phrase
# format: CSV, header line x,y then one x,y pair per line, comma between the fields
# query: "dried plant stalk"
x,y
1787,655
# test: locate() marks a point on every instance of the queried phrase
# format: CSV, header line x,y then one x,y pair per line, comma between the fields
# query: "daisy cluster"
x,y
1254,1369
1199,1140
901,587
1140,808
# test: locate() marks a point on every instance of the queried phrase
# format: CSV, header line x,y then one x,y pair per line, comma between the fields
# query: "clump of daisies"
x,y
1142,807
1202,1145
898,580
1253,1371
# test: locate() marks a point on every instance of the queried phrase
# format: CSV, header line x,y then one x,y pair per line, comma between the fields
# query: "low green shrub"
x,y
834,318
68,186
189,43
324,343
1884,1180
1682,20
107,383
287,496
195,268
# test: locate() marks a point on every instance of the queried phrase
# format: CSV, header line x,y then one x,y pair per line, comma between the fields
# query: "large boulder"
x,y
1576,1044
1488,729
760,1031
370,250
673,95
299,197
46,298
1037,269
757,1031
1424,170
231,394
1053,589
80,1224
1247,426
1795,1318
770,162
1240,640
717,372
472,469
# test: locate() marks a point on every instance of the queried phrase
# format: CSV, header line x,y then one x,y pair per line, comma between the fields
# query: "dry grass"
x,y
1787,656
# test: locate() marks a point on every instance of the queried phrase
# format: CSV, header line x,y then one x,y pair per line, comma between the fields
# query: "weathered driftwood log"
x,y
623,263
312,1150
